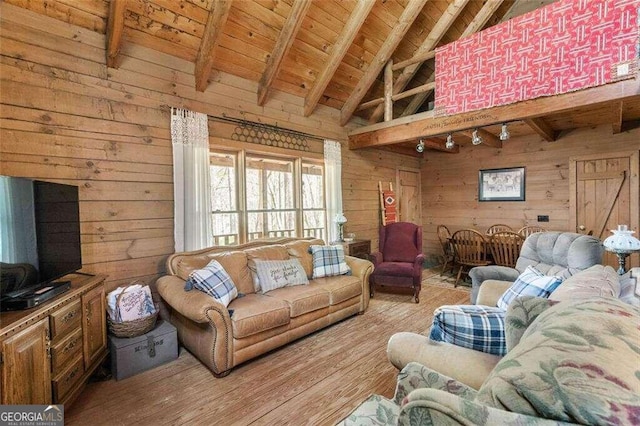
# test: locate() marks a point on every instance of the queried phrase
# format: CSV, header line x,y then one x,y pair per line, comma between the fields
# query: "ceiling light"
x,y
504,133
475,138
420,146
450,143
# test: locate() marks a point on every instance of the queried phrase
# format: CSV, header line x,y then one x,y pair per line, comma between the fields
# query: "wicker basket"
x,y
132,328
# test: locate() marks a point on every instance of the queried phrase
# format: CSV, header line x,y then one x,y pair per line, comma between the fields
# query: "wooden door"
x,y
408,183
604,194
94,325
26,368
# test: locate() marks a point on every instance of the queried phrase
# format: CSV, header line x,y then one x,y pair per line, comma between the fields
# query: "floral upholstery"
x,y
572,362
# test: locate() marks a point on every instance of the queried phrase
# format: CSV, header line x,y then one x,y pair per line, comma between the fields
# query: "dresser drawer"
x,y
360,249
66,319
65,350
65,381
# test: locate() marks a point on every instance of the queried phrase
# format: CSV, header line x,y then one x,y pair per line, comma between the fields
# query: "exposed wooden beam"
x,y
416,59
438,145
401,149
630,125
425,125
542,128
409,15
437,32
284,43
420,89
338,51
388,91
617,118
115,28
212,31
488,139
477,24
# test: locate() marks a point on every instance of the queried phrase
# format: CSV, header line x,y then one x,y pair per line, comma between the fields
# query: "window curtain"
x,y
193,228
333,187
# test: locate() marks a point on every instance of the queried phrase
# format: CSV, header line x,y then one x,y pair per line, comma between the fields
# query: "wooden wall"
x,y
66,117
450,182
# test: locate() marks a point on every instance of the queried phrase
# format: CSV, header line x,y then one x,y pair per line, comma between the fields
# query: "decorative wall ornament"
x,y
264,134
501,184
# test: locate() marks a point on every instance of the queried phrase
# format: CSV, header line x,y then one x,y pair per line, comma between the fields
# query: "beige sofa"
x,y
223,337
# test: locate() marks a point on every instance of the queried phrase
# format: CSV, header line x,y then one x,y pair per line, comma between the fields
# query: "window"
x,y
281,197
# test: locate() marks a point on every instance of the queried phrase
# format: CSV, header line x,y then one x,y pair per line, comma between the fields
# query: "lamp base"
x,y
622,260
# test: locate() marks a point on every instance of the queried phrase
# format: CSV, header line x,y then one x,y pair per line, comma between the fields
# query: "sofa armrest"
x,y
490,292
464,365
480,274
415,376
439,407
192,304
417,265
362,269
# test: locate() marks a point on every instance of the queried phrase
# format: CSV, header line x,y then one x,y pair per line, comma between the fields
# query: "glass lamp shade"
x,y
340,219
622,241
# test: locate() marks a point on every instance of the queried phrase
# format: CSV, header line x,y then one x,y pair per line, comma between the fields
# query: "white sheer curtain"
x,y
333,190
191,181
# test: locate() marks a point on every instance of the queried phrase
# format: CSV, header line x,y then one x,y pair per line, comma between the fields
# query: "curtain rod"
x,y
269,126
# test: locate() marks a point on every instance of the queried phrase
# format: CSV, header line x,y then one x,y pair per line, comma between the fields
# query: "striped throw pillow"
x,y
328,261
214,281
530,283
274,274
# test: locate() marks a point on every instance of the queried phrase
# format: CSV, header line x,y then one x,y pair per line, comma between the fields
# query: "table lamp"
x,y
622,243
340,220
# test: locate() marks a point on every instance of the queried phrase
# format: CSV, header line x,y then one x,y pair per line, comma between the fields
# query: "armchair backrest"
x,y
400,242
560,253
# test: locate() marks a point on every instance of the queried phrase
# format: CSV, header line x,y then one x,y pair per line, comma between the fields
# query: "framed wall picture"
x,y
501,184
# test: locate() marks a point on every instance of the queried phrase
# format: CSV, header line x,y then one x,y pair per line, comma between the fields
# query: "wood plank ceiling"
x,y
329,52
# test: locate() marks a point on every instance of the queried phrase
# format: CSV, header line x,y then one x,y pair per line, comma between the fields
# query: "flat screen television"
x,y
39,232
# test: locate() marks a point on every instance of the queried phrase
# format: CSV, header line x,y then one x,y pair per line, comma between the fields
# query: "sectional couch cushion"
x,y
597,280
300,250
256,312
302,299
577,362
340,288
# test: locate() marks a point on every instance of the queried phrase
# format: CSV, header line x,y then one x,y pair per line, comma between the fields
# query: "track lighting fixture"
x,y
420,146
504,132
450,143
475,138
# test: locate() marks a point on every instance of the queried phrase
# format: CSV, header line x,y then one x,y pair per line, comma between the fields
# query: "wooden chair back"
x,y
498,228
505,248
525,231
469,247
444,235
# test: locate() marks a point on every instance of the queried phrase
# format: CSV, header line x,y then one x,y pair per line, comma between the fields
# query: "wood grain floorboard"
x,y
316,380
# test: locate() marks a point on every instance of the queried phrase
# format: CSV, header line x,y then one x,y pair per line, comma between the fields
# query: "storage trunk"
x,y
130,356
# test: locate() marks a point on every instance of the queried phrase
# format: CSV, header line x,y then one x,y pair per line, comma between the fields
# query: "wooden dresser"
x,y
47,353
356,248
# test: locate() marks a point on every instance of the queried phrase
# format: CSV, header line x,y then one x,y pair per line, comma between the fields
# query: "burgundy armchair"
x,y
399,261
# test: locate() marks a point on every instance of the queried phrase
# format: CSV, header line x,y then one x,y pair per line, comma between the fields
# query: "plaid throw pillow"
x,y
328,261
470,326
214,281
530,283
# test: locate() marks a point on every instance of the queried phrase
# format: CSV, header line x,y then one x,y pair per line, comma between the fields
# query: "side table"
x,y
356,248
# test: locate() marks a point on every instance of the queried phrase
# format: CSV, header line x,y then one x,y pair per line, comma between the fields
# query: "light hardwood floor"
x,y
316,380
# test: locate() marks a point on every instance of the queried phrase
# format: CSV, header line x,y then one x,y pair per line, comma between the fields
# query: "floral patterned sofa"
x,y
574,361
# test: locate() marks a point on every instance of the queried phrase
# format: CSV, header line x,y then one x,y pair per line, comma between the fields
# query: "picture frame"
x,y
506,184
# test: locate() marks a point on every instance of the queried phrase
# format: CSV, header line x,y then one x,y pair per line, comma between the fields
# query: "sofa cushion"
x,y
300,250
577,362
234,262
520,314
470,326
269,252
328,261
214,281
630,287
598,280
341,288
530,283
401,269
255,313
274,274
302,299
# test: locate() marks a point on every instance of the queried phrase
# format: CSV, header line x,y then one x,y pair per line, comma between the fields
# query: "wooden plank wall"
x,y
450,182
66,117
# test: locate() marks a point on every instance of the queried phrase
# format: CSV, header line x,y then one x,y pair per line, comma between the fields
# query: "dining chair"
x,y
469,247
498,228
448,258
525,231
505,248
